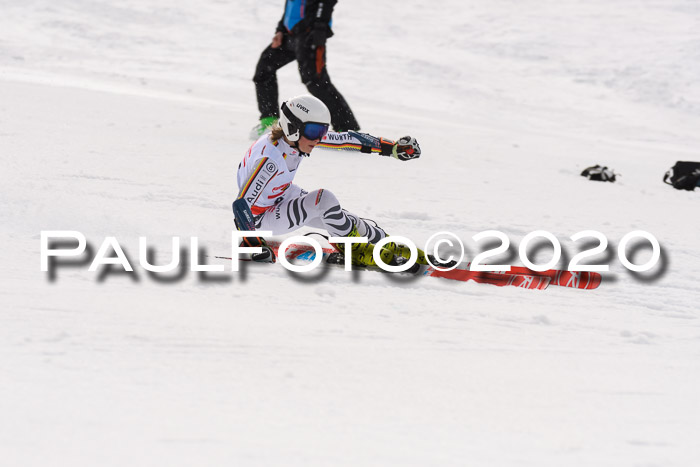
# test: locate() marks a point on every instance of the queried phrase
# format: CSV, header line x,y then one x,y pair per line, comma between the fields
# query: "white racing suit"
x,y
265,180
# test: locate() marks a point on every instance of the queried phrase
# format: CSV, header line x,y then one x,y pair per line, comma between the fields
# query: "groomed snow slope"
x,y
129,119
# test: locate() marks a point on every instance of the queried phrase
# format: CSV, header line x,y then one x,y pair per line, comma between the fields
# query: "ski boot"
x,y
404,253
362,254
266,123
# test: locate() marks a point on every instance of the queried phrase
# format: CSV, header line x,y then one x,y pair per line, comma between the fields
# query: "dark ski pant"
x,y
312,68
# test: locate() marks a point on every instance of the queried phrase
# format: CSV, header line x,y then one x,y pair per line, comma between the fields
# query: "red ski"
x,y
564,278
561,277
525,281
518,276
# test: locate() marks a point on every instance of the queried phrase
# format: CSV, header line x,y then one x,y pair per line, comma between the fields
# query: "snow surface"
x,y
129,118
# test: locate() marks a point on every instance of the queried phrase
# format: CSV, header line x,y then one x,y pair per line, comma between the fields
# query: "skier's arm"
x,y
244,204
318,18
324,11
254,186
404,149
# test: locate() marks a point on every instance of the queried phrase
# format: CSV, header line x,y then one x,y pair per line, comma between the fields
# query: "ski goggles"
x,y
313,130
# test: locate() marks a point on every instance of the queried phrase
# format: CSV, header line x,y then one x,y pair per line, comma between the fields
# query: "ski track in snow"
x,y
129,119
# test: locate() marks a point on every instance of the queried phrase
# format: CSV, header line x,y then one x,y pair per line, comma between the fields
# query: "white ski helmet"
x,y
306,116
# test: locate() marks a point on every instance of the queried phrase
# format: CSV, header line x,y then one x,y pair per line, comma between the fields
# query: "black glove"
x,y
265,256
318,35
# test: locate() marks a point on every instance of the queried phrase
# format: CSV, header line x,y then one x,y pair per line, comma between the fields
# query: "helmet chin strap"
x,y
295,145
292,144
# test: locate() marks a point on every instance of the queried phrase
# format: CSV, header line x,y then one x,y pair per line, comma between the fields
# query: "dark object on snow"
x,y
600,174
685,175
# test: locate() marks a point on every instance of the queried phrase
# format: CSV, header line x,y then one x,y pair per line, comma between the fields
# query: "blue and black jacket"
x,y
300,16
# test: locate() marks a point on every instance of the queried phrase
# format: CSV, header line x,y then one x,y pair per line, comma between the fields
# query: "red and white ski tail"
x,y
501,279
564,278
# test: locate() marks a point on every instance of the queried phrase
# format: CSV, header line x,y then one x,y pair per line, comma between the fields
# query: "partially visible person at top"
x,y
301,35
274,203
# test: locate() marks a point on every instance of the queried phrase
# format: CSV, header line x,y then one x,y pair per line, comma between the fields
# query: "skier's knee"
x,y
323,200
263,73
333,216
315,82
262,76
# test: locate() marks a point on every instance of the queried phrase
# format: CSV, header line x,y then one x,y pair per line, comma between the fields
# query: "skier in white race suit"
x,y
266,175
